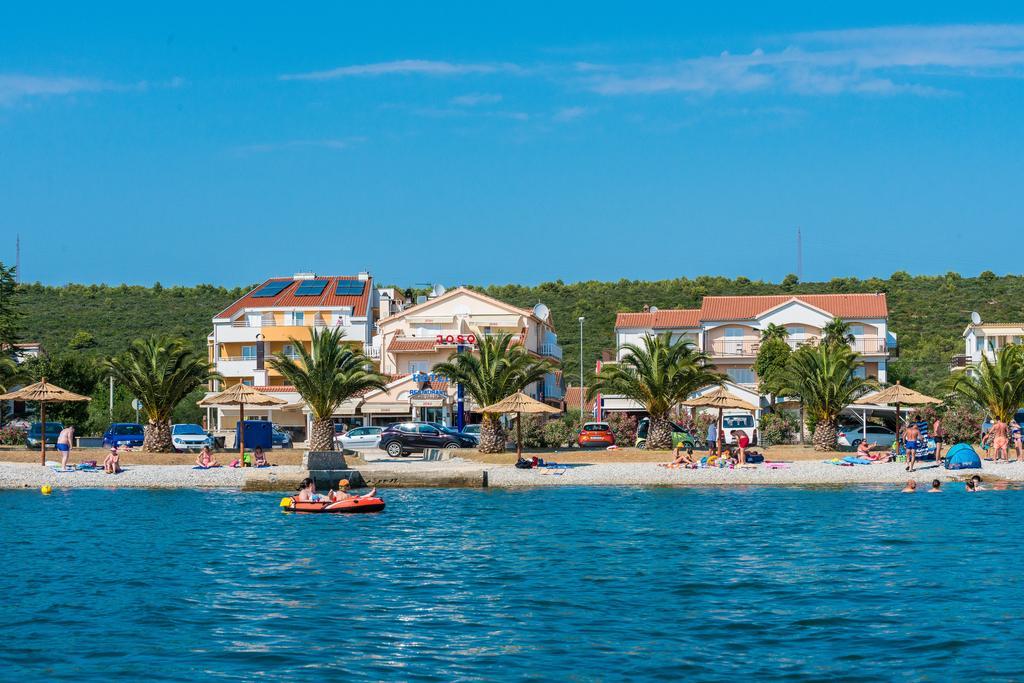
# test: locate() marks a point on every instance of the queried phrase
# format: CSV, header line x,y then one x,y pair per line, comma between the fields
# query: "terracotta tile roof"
x,y
407,344
572,399
717,308
659,320
277,389
287,299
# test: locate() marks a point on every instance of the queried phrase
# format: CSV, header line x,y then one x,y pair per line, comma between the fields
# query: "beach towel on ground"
x,y
857,461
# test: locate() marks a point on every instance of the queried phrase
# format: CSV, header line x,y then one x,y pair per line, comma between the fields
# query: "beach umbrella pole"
x,y
519,435
241,434
42,422
719,444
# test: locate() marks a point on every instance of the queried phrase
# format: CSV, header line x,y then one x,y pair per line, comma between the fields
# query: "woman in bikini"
x,y
205,459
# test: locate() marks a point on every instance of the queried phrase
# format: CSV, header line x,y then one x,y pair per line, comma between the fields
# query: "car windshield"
x,y
737,422
128,430
51,428
188,429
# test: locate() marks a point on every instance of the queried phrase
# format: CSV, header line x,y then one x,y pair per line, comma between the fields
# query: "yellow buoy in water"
x,y
286,502
46,489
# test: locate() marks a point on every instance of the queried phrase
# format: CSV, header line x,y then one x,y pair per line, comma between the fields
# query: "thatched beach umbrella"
x,y
242,395
519,403
721,399
897,395
43,393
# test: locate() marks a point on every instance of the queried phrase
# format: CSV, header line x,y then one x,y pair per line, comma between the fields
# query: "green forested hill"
x,y
927,313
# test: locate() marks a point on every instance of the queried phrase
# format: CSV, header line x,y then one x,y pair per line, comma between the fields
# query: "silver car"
x,y
852,435
359,439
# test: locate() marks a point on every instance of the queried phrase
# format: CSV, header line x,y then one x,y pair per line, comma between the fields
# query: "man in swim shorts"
x,y
910,440
64,443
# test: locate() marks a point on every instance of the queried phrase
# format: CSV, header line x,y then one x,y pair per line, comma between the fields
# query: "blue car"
x,y
123,434
35,433
282,439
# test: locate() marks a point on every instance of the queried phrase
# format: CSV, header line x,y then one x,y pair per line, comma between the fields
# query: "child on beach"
x,y
205,459
683,458
112,464
260,458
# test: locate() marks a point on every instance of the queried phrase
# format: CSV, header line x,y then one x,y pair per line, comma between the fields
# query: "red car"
x,y
595,434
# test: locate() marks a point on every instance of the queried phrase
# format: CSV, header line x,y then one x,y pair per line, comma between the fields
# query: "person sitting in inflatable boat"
x,y
343,494
307,493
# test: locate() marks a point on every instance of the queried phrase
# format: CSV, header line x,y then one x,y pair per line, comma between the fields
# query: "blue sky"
x,y
457,143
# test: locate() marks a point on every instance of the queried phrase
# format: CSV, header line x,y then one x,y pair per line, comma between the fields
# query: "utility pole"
x,y
17,258
799,255
583,394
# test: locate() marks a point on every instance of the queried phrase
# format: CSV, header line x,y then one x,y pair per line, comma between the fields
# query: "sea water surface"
x,y
552,584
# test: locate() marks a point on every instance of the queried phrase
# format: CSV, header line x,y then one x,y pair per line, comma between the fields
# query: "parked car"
x,y
280,438
679,435
124,434
403,438
474,430
739,422
360,438
34,437
852,435
189,437
453,430
595,435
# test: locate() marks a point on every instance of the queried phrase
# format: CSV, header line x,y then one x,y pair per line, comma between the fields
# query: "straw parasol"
x,y
721,399
897,395
43,393
242,395
519,403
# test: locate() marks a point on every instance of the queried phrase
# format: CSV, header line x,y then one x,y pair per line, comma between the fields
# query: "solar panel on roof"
x,y
271,289
349,287
311,288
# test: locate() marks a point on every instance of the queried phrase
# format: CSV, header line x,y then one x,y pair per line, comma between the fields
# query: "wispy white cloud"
x,y
476,99
883,60
405,67
14,87
287,145
570,113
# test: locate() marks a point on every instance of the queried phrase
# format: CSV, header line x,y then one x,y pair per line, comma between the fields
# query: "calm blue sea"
x,y
569,584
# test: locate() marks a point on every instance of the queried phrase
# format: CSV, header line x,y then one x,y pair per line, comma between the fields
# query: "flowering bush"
x,y
776,428
962,422
623,426
12,436
558,433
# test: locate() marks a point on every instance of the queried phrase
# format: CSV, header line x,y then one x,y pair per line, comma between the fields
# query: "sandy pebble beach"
x,y
23,475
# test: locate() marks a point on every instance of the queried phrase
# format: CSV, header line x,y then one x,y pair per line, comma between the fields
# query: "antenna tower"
x,y
799,255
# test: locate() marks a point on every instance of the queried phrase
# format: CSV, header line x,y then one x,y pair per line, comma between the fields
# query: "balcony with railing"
x,y
551,350
371,351
748,348
552,388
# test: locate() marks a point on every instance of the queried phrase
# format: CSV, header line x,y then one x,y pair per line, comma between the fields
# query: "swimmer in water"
x,y
936,486
911,487
974,484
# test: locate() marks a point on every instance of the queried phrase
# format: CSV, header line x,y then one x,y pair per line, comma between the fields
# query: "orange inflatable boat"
x,y
350,505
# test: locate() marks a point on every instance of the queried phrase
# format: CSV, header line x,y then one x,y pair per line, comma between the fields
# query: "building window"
x,y
979,343
298,318
860,371
249,352
857,330
247,382
418,366
741,375
734,332
795,330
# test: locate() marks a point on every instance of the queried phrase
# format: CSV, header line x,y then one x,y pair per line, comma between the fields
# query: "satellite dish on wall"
x,y
541,311
975,318
437,290
653,309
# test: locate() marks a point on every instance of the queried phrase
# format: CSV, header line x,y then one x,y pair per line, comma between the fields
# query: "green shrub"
x,y
776,428
962,422
533,432
562,432
12,436
623,426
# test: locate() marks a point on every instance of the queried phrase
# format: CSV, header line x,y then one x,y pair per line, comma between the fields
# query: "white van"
x,y
739,422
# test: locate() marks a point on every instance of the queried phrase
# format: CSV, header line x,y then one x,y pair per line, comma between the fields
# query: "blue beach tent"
x,y
962,457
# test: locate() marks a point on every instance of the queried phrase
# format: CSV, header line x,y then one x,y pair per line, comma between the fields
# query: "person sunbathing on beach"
x,y
343,493
112,465
259,458
682,457
205,459
864,451
911,487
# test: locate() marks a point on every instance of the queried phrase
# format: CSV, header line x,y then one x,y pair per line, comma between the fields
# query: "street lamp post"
x,y
583,394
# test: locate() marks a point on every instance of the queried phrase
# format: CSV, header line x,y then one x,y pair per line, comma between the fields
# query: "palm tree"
x,y
495,371
10,374
160,372
836,332
825,379
659,374
998,386
774,331
327,375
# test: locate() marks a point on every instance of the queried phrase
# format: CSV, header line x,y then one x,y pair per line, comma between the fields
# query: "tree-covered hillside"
x,y
927,313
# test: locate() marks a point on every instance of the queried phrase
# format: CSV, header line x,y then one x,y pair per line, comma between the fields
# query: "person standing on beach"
x,y
65,441
1015,435
712,438
939,433
910,440
999,436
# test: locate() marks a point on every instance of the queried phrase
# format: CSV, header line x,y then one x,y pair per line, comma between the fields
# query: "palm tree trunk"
x,y
157,437
321,436
492,436
825,436
659,434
